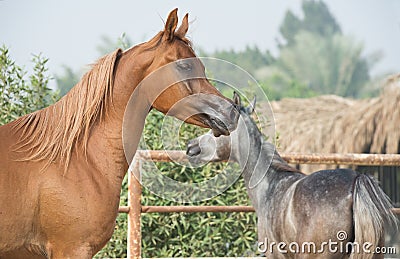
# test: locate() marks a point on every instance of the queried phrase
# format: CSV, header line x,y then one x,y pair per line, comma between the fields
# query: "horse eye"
x,y
184,66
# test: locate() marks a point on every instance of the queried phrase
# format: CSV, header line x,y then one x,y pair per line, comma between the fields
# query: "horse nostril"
x,y
193,150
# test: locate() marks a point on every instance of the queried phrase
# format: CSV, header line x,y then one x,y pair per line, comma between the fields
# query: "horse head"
x,y
174,80
208,148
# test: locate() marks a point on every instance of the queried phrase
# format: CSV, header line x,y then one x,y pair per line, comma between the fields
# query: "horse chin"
x,y
216,125
217,132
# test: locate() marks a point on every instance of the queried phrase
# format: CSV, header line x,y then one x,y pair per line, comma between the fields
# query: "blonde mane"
x,y
52,133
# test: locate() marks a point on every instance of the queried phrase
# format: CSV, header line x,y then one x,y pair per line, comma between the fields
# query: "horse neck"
x,y
129,73
248,148
258,168
261,164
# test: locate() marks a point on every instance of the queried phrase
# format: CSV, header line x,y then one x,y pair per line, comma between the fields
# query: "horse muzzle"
x,y
225,122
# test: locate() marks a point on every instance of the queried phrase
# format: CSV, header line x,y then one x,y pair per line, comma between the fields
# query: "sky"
x,y
67,32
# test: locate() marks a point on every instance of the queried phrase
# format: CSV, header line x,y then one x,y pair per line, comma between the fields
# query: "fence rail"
x,y
292,158
195,209
135,209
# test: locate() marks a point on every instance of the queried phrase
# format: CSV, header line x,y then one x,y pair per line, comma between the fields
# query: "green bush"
x,y
19,96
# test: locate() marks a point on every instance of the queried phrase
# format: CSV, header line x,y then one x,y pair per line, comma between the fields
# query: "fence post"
x,y
135,208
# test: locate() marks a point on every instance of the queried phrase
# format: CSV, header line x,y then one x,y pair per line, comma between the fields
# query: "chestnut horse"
x,y
61,168
327,214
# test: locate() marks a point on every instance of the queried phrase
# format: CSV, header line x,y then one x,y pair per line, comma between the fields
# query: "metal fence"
x,y
135,208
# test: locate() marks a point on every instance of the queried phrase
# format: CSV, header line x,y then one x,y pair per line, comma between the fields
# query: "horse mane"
x,y
280,165
51,133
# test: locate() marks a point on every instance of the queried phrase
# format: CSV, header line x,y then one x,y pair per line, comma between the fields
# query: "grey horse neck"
x,y
261,165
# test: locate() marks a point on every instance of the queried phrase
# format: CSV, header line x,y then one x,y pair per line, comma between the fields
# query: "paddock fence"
x,y
135,208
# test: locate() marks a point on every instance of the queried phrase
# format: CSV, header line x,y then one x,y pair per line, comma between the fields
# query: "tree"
x,y
333,65
69,77
278,84
19,96
317,55
317,19
66,80
250,59
108,45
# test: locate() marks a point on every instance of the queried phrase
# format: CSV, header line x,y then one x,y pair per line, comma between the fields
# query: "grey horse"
x,y
327,214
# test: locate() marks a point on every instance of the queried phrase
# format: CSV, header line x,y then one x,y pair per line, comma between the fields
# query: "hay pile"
x,y
332,124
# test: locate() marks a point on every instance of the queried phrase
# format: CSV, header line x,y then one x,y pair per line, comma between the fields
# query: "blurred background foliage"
x,y
314,58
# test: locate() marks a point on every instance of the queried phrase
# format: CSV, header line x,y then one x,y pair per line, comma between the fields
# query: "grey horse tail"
x,y
371,210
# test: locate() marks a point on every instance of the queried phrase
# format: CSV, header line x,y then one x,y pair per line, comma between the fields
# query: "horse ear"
x,y
252,106
182,30
170,25
236,99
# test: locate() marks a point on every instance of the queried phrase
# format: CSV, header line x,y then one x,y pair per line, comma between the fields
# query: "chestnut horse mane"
x,y
51,133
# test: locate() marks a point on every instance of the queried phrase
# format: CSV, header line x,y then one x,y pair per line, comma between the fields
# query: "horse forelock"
x,y
158,39
53,132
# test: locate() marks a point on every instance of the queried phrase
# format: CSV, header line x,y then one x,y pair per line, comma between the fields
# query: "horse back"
x,y
327,187
323,205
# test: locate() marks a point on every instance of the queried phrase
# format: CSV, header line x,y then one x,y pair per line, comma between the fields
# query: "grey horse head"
x,y
208,148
